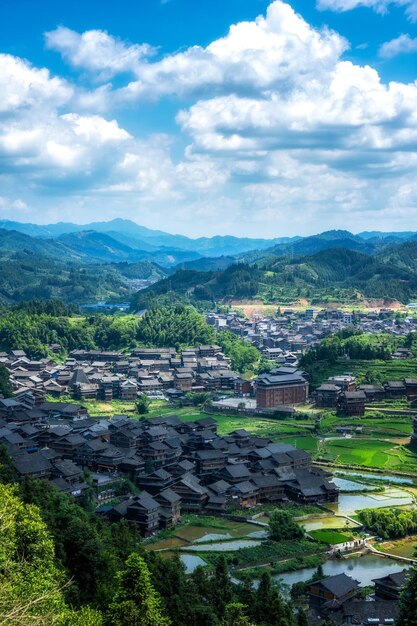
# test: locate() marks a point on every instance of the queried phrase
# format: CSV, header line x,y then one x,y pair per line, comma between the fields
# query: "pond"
x,y
350,485
223,546
213,537
363,569
191,562
259,534
348,504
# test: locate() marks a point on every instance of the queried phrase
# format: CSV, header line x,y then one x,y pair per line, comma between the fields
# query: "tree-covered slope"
x,y
28,275
328,272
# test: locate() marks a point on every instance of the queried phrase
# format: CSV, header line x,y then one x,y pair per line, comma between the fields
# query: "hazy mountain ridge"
x,y
146,239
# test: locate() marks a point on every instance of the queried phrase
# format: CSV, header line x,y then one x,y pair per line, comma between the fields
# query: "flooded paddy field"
x,y
330,522
391,497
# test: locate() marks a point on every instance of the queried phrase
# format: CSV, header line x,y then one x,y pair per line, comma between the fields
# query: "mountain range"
x,y
332,264
137,237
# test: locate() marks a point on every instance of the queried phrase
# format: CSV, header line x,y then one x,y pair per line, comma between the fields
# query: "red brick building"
x,y
277,389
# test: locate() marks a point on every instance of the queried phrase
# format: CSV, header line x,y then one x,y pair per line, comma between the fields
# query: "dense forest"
x,y
65,566
355,345
350,344
27,276
332,274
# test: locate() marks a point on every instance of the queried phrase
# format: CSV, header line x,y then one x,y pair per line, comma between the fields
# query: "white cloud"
x,y
284,134
351,109
19,205
96,51
22,85
404,44
380,6
271,51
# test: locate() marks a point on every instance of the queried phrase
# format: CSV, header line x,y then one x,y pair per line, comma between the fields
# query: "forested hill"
x,y
27,275
84,266
331,239
331,273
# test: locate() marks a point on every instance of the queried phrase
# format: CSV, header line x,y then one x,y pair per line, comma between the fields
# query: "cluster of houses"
x,y
339,600
176,465
161,372
285,337
107,376
343,394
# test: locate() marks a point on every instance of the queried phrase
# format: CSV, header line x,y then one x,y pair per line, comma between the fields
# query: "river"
x,y
363,569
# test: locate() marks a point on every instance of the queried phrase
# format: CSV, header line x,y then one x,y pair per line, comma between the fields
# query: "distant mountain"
x,y
207,264
27,275
142,270
98,246
12,241
402,255
329,239
146,239
101,247
377,234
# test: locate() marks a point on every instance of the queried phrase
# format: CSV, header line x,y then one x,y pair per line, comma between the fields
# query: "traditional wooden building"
x,y
332,592
352,403
389,587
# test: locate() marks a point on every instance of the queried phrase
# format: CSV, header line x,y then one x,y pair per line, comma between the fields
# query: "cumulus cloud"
x,y
380,6
96,51
404,44
22,85
276,121
269,52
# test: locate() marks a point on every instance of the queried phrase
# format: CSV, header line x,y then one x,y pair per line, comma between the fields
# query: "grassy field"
x,y
371,453
400,547
329,536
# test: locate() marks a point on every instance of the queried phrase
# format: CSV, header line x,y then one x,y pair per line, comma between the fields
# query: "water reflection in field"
x,y
348,503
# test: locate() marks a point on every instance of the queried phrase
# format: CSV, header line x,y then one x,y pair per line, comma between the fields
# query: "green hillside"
x,y
333,274
27,276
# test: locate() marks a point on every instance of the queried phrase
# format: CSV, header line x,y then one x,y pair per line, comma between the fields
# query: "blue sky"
x,y
245,117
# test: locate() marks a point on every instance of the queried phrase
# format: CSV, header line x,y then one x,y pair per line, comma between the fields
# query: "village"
x,y
154,471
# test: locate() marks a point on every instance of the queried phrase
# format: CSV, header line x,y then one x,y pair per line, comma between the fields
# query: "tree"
x,y
174,326
302,618
269,609
235,615
136,602
142,404
5,387
282,526
265,366
197,397
319,573
31,583
243,354
221,588
83,543
408,602
7,471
